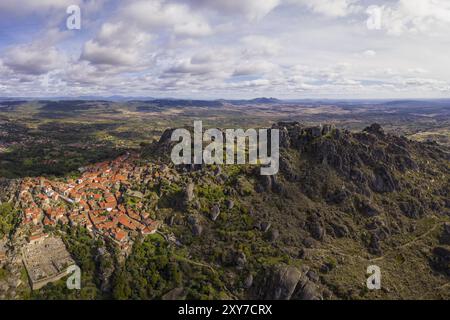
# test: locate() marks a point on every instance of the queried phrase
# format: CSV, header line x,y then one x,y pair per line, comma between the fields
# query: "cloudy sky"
x,y
227,48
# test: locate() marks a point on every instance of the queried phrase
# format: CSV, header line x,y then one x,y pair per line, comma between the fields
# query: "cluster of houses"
x,y
95,201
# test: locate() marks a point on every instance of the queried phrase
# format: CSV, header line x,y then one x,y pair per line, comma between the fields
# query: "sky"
x,y
232,49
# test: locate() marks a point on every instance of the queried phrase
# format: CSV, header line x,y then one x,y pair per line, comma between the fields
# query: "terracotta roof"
x,y
126,222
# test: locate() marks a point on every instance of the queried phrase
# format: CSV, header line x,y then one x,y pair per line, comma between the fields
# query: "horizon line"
x,y
130,98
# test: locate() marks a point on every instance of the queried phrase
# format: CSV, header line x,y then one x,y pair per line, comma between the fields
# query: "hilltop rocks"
x,y
326,129
166,136
314,132
285,141
375,129
287,169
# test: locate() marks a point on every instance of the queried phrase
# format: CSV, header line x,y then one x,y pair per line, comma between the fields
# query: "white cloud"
x,y
251,9
369,53
255,45
253,68
22,7
108,55
157,14
33,59
117,45
416,16
190,68
226,48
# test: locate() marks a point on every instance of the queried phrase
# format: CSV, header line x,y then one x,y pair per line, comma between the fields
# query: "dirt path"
x,y
330,249
445,285
394,250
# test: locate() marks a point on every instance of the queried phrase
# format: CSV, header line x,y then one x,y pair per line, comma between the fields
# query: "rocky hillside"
x,y
341,202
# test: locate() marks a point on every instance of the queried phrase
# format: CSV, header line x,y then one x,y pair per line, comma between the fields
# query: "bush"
x,y
9,219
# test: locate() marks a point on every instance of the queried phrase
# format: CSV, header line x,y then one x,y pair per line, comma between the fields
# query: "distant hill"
x,y
255,101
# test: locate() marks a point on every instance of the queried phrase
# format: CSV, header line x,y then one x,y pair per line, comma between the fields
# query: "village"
x,y
94,201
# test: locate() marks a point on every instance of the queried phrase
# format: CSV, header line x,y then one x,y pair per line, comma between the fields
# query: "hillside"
x,y
342,201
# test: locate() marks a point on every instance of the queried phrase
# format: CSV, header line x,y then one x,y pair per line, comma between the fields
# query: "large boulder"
x,y
240,260
383,181
317,231
197,230
308,291
215,212
189,192
229,204
441,259
287,282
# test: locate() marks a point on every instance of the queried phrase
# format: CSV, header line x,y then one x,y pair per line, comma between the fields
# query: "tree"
x,y
9,218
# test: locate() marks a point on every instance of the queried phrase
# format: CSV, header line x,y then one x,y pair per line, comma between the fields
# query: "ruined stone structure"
x,y
46,261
